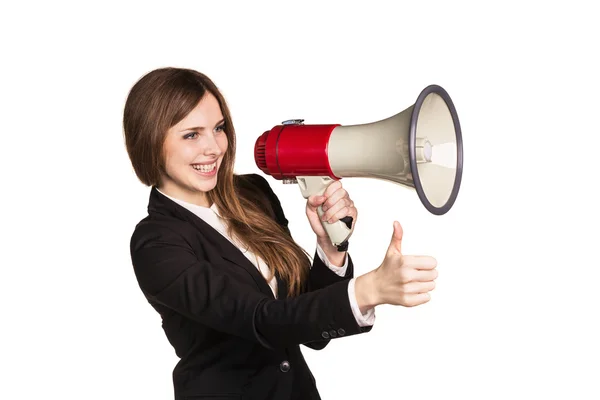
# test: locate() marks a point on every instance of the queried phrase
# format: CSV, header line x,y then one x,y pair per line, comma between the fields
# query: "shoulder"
x,y
252,182
158,230
257,189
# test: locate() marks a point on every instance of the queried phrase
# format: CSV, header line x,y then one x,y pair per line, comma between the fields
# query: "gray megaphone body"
x,y
419,148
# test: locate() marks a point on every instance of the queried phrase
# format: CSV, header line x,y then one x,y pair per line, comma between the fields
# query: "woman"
x,y
215,258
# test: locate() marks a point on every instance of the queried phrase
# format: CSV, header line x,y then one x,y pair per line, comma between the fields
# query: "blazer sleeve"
x,y
170,273
320,275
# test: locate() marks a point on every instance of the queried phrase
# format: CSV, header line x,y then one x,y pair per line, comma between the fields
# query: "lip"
x,y
205,163
211,173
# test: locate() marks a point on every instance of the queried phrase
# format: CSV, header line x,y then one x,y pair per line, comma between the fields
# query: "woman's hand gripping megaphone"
x,y
404,280
329,209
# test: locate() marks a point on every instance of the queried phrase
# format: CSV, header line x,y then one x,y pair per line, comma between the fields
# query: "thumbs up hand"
x,y
404,280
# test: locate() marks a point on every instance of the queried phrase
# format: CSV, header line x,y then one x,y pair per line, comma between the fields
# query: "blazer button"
x,y
332,333
341,332
284,366
325,335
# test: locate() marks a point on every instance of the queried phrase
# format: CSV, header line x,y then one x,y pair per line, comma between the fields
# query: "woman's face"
x,y
194,150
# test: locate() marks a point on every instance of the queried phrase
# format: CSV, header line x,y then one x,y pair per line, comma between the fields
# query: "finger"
x,y
335,185
407,274
419,287
315,201
420,262
422,275
413,300
337,209
417,275
334,198
343,212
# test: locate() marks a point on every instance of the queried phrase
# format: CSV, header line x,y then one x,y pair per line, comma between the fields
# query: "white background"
x,y
515,313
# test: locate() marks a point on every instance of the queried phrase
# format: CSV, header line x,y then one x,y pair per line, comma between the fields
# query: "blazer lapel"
x,y
164,205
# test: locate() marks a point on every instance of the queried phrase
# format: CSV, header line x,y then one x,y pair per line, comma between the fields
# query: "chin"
x,y
207,187
205,184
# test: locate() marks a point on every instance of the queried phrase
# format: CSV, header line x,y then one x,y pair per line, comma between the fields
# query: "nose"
x,y
210,146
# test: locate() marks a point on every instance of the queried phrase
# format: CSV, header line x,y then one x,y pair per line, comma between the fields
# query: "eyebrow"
x,y
201,128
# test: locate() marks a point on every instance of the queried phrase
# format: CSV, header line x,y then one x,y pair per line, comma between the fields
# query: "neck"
x,y
193,197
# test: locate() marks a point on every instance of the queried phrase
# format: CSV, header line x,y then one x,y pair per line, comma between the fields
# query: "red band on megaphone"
x,y
288,151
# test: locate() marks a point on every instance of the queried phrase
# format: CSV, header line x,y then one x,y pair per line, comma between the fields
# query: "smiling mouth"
x,y
205,168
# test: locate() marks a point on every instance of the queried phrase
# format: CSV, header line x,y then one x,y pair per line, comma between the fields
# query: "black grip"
x,y
347,221
343,246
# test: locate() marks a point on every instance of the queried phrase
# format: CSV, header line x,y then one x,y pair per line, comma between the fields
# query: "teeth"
x,y
205,168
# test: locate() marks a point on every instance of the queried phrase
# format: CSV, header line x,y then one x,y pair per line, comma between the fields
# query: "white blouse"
x,y
211,216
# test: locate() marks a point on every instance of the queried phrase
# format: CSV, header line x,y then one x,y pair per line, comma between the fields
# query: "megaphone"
x,y
419,148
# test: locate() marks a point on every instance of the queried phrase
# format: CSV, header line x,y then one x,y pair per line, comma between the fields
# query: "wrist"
x,y
367,291
325,243
334,256
327,246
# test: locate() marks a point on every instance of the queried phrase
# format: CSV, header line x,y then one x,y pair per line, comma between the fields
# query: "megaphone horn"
x,y
419,148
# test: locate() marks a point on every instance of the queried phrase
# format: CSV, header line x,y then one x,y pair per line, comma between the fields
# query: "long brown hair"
x,y
158,101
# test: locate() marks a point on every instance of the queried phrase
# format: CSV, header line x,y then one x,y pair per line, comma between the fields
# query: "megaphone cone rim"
x,y
412,147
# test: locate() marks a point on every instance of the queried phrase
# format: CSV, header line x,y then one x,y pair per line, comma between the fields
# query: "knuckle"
x,y
334,187
403,275
342,213
403,298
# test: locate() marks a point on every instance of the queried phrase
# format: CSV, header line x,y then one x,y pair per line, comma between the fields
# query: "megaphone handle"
x,y
340,231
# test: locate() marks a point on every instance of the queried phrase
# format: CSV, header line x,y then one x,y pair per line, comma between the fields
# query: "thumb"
x,y
396,242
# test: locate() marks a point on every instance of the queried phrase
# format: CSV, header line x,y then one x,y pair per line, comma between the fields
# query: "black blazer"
x,y
233,338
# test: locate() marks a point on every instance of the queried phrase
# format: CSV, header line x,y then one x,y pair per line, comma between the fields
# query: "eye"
x,y
220,128
190,135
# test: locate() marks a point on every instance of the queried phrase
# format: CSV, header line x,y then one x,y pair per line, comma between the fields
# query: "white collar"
x,y
201,211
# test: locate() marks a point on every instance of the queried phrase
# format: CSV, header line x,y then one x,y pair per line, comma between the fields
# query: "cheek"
x,y
187,153
223,143
178,154
167,155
